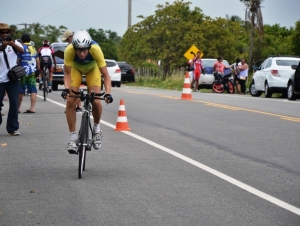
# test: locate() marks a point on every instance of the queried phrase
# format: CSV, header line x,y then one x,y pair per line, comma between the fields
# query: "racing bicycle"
x,y
45,80
85,142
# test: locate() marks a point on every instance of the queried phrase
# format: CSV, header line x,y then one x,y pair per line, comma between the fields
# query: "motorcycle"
x,y
223,82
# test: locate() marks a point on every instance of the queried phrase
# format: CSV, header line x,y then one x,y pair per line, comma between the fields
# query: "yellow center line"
x,y
284,117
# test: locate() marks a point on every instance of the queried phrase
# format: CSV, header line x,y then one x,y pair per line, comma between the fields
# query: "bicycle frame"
x,y
84,141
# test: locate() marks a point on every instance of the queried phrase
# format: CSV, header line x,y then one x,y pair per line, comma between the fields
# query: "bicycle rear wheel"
x,y
45,84
82,143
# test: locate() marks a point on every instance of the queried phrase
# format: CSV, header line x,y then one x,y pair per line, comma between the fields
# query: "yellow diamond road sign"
x,y
192,52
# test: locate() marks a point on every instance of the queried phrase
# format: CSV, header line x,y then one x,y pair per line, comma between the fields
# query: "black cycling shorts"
x,y
46,60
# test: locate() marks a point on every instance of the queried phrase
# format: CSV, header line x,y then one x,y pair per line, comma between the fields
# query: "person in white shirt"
x,y
8,50
243,68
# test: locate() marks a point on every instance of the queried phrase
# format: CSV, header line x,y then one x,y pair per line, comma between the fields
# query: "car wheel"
x,y
253,91
268,92
54,86
118,84
290,92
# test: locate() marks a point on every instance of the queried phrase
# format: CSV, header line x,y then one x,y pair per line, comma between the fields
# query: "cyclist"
x,y
46,55
84,56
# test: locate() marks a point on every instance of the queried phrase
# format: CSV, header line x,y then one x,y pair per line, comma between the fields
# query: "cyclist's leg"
x,y
31,87
76,77
94,84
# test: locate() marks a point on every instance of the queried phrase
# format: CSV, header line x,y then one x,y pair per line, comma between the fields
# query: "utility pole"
x,y
25,24
129,13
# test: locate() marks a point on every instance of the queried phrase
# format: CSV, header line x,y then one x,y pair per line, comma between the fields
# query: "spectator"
x,y
219,66
197,65
8,59
30,61
236,74
243,68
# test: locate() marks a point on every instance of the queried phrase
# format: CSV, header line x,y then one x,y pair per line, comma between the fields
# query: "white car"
x,y
273,75
207,80
114,72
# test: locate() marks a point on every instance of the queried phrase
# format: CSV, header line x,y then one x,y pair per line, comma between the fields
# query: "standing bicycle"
x,y
84,56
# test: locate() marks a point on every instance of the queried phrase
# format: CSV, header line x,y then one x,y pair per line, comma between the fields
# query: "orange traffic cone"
x,y
186,91
122,123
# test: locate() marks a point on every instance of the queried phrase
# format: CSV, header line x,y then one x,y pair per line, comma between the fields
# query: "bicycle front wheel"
x,y
82,143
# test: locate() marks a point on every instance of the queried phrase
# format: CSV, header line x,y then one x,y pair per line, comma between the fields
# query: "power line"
x,y
144,3
64,14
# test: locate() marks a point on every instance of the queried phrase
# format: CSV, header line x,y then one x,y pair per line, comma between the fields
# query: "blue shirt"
x,y
28,58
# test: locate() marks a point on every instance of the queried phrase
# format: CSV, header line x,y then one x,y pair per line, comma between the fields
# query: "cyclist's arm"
x,y
67,77
107,81
99,58
69,55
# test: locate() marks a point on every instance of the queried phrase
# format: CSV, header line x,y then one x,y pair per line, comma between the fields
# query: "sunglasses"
x,y
5,32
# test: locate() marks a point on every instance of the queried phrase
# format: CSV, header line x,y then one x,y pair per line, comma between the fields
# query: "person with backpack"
x,y
46,54
30,61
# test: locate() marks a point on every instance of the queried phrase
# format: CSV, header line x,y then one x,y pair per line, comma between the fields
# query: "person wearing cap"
x,y
68,36
46,51
30,61
9,48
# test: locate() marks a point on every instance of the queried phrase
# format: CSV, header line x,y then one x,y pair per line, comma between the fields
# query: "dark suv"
x,y
58,74
293,90
127,72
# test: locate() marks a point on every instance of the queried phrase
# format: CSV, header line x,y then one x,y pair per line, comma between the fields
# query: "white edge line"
x,y
223,176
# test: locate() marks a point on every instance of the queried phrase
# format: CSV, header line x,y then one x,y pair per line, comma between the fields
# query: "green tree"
x,y
253,16
295,40
107,40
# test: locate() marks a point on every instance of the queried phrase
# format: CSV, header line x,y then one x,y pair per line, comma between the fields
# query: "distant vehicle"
x,y
114,72
273,75
58,74
293,90
127,72
207,80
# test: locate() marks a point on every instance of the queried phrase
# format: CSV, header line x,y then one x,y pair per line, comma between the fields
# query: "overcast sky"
x,y
113,14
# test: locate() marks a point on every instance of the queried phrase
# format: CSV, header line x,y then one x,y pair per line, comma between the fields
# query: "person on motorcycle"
x,y
219,66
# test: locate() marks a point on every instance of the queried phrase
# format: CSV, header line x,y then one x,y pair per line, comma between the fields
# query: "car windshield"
x,y
210,63
58,48
110,63
287,62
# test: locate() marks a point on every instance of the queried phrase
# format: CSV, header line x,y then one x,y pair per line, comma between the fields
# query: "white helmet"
x,y
81,39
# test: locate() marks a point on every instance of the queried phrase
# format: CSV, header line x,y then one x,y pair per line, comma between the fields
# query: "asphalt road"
x,y
218,159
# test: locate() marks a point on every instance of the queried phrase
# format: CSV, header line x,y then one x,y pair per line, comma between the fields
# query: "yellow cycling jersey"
x,y
94,57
